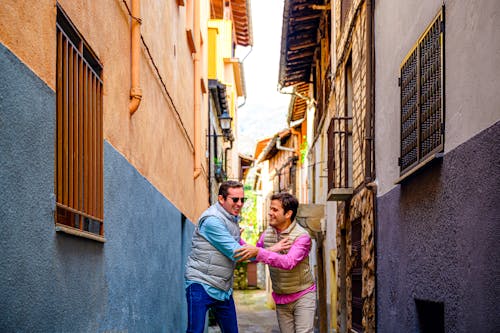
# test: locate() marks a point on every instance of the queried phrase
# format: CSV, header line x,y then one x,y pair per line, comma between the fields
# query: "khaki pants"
x,y
298,316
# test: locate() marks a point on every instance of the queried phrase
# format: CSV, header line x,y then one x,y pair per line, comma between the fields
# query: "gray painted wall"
x,y
52,282
438,237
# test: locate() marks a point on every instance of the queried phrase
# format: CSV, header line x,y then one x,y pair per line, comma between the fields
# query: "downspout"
x,y
369,141
298,171
225,155
369,144
295,150
196,88
135,49
241,64
280,147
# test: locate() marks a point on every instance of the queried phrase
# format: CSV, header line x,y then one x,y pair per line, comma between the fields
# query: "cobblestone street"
x,y
254,316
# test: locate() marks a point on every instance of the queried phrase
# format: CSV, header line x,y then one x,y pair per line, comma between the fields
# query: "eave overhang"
x,y
241,17
219,94
238,75
299,41
298,103
246,162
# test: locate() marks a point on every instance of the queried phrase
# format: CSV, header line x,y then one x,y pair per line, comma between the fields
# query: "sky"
x,y
265,110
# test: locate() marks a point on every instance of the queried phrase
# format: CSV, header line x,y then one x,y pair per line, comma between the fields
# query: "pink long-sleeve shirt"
x,y
297,252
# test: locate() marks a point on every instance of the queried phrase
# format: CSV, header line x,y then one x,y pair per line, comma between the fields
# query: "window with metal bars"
x,y
340,141
79,135
422,99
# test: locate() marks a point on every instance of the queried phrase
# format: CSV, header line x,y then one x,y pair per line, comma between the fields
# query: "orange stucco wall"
x,y
158,140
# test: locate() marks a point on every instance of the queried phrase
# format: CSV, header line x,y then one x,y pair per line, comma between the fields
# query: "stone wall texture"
x,y
352,44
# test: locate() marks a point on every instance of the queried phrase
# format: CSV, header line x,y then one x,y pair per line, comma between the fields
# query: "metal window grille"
x,y
339,133
422,99
79,143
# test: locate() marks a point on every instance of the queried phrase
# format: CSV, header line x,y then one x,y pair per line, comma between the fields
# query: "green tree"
x,y
249,217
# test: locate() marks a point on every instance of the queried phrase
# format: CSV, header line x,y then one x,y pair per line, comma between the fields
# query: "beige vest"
x,y
289,281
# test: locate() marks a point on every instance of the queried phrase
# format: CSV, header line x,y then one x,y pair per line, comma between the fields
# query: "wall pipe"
x,y
370,135
369,131
135,48
295,149
280,147
196,90
225,155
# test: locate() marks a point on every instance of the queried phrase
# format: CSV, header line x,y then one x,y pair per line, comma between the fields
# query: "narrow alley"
x,y
341,154
254,316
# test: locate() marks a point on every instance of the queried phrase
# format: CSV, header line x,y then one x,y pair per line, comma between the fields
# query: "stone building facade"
x,y
351,165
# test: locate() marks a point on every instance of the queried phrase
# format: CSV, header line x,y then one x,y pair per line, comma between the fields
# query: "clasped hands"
x,y
248,251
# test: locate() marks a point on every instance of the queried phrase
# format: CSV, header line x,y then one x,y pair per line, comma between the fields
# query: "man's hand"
x,y
246,252
282,245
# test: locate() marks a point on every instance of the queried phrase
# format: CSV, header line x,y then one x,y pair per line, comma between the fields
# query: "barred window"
x,y
340,144
79,137
422,99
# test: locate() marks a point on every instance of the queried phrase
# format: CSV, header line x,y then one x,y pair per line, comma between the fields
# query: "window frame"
x,y
78,171
340,141
421,124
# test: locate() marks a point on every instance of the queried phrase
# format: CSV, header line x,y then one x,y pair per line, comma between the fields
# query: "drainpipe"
x,y
225,155
295,150
135,49
196,89
241,64
280,147
369,144
369,138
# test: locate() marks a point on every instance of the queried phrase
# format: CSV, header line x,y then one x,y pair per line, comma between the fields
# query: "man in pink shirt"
x,y
285,247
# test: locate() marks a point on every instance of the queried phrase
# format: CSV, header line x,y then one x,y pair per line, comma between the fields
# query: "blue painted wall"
x,y
438,237
53,282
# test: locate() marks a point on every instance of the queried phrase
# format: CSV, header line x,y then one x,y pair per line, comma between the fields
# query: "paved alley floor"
x,y
253,314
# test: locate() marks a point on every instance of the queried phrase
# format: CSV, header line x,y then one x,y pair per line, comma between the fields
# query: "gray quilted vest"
x,y
205,263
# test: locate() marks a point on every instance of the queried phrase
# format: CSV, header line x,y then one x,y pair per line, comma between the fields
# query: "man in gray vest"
x,y
294,290
210,266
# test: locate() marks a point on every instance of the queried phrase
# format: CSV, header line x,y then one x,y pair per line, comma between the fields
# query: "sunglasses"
x,y
236,199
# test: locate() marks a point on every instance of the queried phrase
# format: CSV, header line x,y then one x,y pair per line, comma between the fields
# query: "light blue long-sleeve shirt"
x,y
217,234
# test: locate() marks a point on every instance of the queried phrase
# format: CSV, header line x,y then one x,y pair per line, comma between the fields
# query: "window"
x,y
430,316
422,99
340,142
79,138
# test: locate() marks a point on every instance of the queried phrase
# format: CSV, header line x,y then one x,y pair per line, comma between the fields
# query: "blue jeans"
x,y
199,302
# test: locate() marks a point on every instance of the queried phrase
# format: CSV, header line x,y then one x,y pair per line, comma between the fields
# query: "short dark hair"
x,y
288,201
225,186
